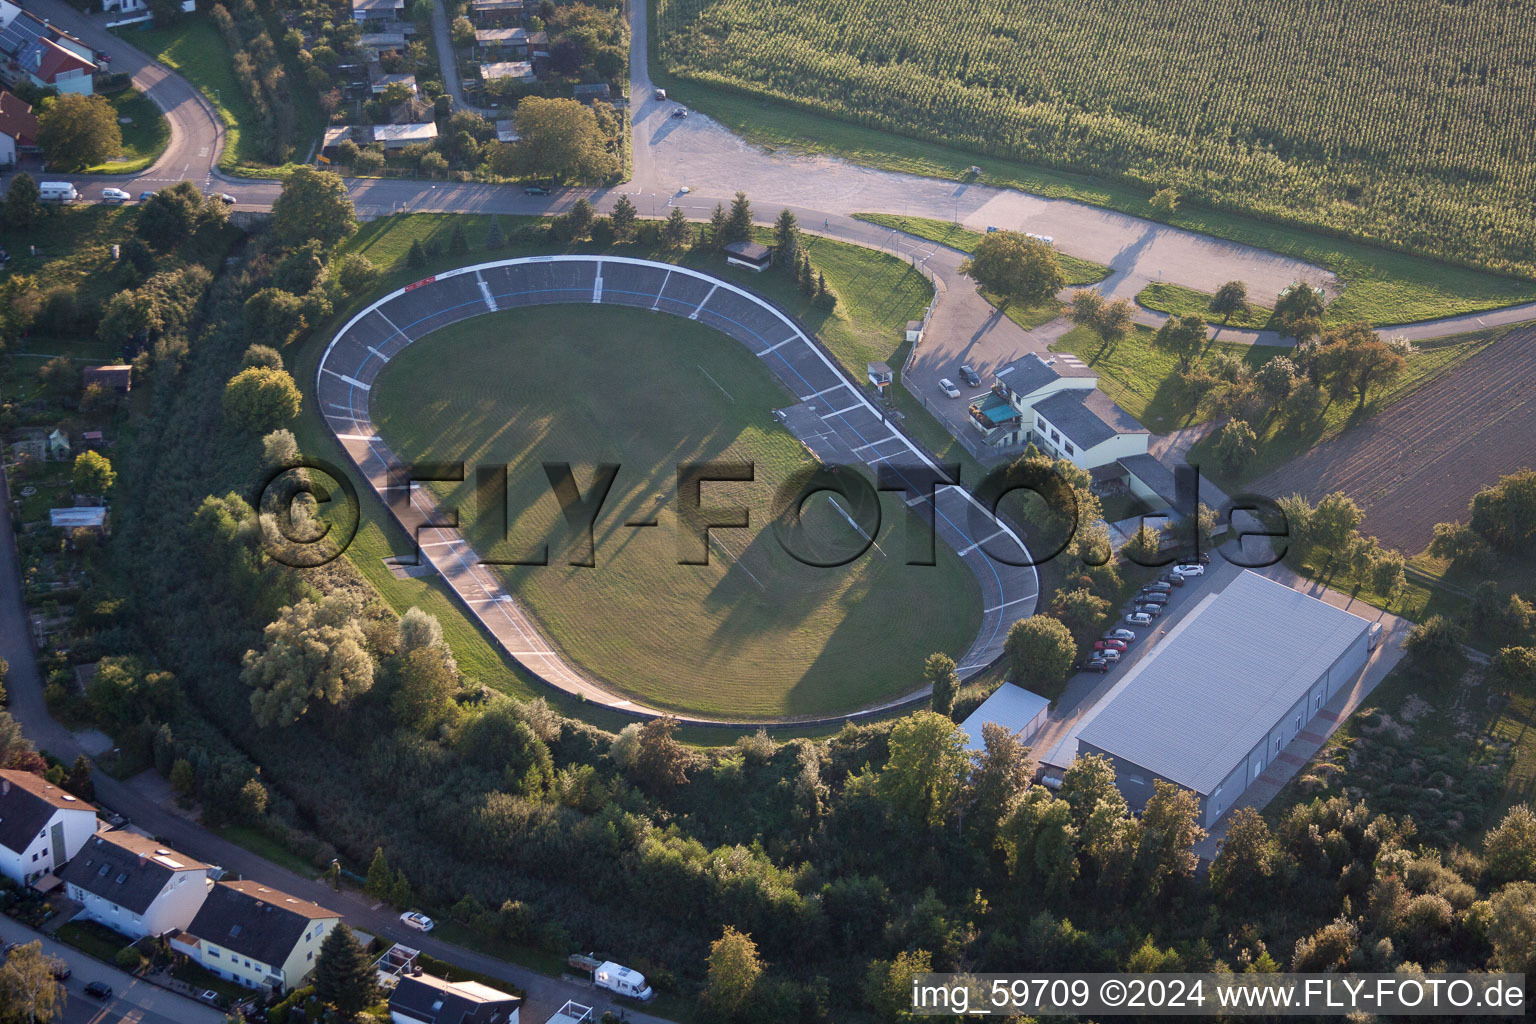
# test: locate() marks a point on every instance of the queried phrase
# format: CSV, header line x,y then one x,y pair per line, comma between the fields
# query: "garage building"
x,y
1219,697
1012,707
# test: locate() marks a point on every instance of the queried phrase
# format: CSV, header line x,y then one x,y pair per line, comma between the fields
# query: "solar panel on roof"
x,y
23,31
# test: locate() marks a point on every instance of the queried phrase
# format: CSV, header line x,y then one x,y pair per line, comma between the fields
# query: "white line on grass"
x,y
716,383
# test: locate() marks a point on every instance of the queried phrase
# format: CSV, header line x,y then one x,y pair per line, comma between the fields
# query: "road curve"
x,y
830,414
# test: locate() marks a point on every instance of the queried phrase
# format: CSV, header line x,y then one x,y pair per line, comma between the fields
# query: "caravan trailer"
x,y
56,192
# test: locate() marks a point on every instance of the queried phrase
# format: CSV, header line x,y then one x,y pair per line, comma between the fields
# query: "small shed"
x,y
516,70
880,375
752,255
116,376
586,93
914,331
506,130
398,136
381,84
1012,707
58,445
89,517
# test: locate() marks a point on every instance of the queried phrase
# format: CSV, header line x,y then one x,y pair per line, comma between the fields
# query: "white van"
x,y
56,192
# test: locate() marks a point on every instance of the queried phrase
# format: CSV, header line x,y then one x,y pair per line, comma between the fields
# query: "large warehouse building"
x,y
1225,691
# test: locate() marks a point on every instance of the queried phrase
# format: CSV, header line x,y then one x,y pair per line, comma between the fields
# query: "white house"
x,y
135,886
33,51
256,936
41,826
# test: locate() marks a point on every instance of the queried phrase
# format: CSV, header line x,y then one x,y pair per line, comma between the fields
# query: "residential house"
x,y
377,44
139,7
506,130
364,11
398,136
423,999
31,50
41,826
335,136
381,83
116,377
411,110
495,12
515,70
18,129
134,885
502,40
256,936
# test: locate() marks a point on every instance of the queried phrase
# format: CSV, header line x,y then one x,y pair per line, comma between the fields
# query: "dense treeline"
x,y
259,69
1389,121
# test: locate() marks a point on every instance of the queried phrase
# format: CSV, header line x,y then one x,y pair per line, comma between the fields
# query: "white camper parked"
x,y
622,980
56,192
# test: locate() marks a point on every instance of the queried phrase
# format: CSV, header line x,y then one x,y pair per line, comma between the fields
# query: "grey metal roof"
x,y
1087,417
1195,706
1150,471
1010,706
1028,374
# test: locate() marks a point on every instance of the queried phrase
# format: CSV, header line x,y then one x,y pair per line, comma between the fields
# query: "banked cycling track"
x,y
833,418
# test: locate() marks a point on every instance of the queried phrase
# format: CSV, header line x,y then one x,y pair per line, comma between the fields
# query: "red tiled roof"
x,y
57,60
17,119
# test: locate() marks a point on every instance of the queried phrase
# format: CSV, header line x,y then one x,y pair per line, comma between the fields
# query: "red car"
x,y
1109,645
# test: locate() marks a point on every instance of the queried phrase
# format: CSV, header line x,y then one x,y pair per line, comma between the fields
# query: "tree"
x,y
93,474
1510,849
344,974
1143,546
1041,652
1236,446
1165,200
923,776
313,650
557,139
1512,927
1088,782
458,245
251,802
719,227
1276,379
1435,646
1087,307
424,688
1333,523
259,399
1245,859
23,207
29,994
183,778
495,238
888,983
738,225
314,204
1183,337
380,878
579,219
1230,300
1504,515
1355,359
1514,668
674,232
940,675
1000,771
77,131
1169,830
1015,267
786,240
1299,312
462,31
166,13
1389,575
623,218
169,218
661,762
78,781
734,968
279,448
1082,611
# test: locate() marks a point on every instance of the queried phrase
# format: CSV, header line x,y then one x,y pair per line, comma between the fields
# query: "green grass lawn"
x,y
263,845
878,293
1077,271
1177,300
1382,286
755,633
143,140
94,938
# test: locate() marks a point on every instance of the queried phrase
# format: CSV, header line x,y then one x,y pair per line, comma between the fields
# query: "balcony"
x,y
994,418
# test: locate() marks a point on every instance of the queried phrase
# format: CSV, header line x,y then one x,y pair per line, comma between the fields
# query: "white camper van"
x,y
56,192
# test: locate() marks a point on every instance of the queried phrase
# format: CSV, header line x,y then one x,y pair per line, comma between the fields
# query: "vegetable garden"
x,y
1389,120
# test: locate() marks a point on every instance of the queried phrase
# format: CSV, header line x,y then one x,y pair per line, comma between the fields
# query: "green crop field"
x,y
1398,121
755,633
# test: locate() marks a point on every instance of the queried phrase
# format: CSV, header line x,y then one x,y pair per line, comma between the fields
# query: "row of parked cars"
x,y
1149,604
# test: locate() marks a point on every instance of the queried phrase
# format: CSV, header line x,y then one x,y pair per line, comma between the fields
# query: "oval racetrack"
x,y
832,416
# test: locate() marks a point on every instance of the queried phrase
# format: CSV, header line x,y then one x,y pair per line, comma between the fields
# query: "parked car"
x,y
1154,610
968,372
1109,645
948,387
103,57
535,190
680,112
1095,665
1190,570
1173,579
661,94
144,197
1139,618
98,990
1157,597
60,969
223,197
1157,586
1107,657
1119,634
417,920
114,195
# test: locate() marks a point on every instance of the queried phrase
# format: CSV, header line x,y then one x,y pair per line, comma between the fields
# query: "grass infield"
x,y
755,633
